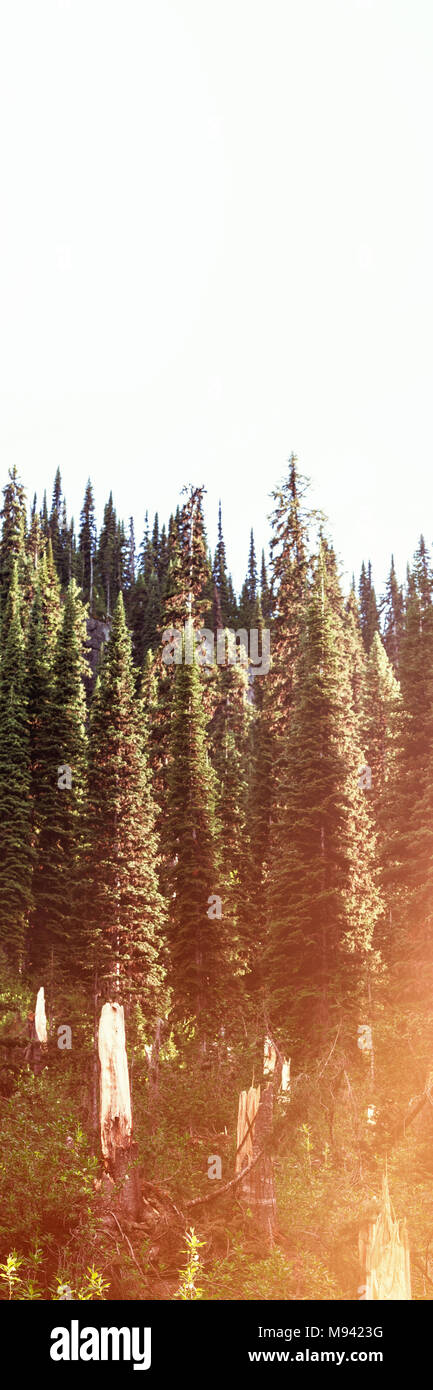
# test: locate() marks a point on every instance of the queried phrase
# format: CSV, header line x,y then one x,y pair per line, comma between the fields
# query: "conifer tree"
x,y
105,562
41,646
15,828
248,613
229,732
265,592
130,566
12,544
289,569
380,735
196,939
55,523
63,785
125,907
393,619
410,844
369,616
220,575
87,545
323,896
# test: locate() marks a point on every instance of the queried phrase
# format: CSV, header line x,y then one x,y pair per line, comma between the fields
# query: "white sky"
x,y
216,231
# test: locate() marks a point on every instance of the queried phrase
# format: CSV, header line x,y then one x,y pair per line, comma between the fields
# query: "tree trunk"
x,y
115,1111
384,1254
37,1035
258,1189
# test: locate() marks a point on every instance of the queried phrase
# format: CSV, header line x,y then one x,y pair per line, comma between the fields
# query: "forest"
x,y
216,920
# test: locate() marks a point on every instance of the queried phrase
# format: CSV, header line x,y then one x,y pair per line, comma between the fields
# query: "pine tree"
x,y
105,562
369,616
196,940
35,543
289,569
248,615
229,733
12,544
393,620
150,634
130,566
87,546
125,908
15,827
410,844
220,575
380,735
64,783
323,896
41,646
55,523
265,592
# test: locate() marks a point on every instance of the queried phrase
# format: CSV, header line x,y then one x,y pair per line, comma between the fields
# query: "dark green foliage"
x,y
322,894
196,941
125,913
369,616
15,838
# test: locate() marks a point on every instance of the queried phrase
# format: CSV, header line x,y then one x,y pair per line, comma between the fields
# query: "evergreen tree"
x,y
105,564
124,903
380,735
393,621
55,524
130,566
323,895
289,569
41,647
220,575
87,546
196,940
369,616
265,592
248,614
63,784
14,529
230,750
410,843
15,829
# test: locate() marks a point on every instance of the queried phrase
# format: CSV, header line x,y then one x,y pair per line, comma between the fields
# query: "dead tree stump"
x,y
247,1110
37,1035
258,1188
384,1254
115,1109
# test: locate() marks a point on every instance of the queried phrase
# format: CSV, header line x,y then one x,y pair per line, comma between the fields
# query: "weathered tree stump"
x,y
37,1035
384,1254
258,1189
247,1110
115,1109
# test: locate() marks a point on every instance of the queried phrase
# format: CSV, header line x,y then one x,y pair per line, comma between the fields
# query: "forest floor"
x,y
61,1227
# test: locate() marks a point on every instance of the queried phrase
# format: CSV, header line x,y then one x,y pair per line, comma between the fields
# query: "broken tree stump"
x,y
247,1110
258,1187
384,1254
37,1034
115,1109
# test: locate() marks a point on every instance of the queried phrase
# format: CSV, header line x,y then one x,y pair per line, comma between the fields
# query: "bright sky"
x,y
216,231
